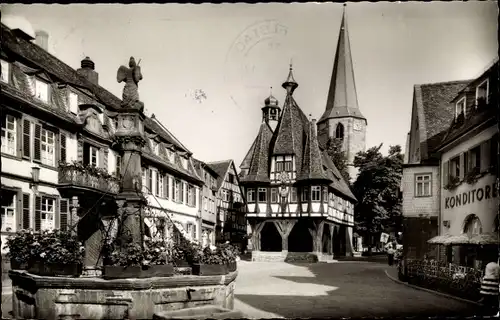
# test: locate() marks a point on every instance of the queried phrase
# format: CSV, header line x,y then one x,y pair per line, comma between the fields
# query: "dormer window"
x,y
5,71
41,90
482,93
155,146
460,107
73,102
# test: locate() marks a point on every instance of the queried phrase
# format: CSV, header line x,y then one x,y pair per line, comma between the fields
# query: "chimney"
x,y
42,39
87,71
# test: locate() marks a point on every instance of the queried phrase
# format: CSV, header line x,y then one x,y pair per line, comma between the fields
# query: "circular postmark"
x,y
257,52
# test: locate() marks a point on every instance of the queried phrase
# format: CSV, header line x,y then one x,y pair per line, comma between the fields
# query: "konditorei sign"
x,y
474,195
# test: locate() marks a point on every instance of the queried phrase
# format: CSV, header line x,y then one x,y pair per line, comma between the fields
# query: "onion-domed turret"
x,y
271,111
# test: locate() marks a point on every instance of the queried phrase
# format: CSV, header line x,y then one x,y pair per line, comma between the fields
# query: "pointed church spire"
x,y
290,84
342,98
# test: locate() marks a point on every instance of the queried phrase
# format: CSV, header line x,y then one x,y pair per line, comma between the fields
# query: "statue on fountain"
x,y
131,76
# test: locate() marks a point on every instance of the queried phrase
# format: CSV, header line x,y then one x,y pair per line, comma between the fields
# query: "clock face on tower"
x,y
357,125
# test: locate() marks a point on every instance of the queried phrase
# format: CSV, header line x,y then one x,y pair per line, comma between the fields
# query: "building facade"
x,y
432,111
469,201
231,206
449,183
208,202
342,118
60,166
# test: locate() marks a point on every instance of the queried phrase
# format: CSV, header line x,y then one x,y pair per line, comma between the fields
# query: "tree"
x,y
377,190
334,150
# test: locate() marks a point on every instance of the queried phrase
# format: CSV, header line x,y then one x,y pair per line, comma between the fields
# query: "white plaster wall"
x,y
466,145
414,206
263,207
111,161
315,206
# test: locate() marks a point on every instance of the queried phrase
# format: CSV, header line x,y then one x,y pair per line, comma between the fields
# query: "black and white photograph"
x,y
250,161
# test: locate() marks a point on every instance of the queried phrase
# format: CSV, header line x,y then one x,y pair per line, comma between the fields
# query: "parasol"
x,y
485,238
449,239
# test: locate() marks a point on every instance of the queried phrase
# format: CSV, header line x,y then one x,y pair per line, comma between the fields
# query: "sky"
x,y
234,53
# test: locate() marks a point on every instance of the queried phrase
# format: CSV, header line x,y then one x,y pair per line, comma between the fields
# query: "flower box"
x,y
16,265
56,269
209,269
181,263
120,272
231,266
158,270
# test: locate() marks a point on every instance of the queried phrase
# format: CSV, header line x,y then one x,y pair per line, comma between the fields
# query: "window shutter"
x,y
38,213
446,173
26,211
37,153
19,137
79,151
105,158
148,181
462,166
165,187
63,214
26,138
181,200
468,161
62,145
485,155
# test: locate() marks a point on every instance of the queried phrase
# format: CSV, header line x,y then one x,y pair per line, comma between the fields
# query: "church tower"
x,y
271,111
342,118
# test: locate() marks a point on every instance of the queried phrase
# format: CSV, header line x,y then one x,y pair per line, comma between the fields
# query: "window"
x,y
166,190
325,194
293,194
150,181
41,90
251,195
47,214
155,146
455,167
91,155
493,151
182,192
205,203
8,209
339,131
481,92
177,187
9,135
460,107
305,194
48,146
316,193
73,102
279,165
144,181
5,71
274,195
191,196
230,178
423,185
473,226
262,194
474,159
118,166
288,166
159,184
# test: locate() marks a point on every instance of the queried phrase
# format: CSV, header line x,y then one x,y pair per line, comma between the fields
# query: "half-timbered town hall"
x,y
298,202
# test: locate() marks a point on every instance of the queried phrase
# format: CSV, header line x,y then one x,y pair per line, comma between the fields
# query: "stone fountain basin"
x,y
43,297
203,312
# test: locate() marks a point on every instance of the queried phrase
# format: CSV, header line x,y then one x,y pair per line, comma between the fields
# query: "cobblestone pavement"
x,y
344,289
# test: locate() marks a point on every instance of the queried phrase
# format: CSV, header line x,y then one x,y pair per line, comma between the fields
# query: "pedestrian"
x,y
390,248
490,287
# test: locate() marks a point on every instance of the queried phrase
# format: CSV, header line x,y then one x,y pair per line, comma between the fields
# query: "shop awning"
x,y
485,238
449,239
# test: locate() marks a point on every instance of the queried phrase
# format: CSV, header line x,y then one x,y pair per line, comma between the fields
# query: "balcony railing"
x,y
82,176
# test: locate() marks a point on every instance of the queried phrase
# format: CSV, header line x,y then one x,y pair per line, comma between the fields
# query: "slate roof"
x,y
312,164
342,98
338,182
259,163
220,167
200,166
33,55
435,111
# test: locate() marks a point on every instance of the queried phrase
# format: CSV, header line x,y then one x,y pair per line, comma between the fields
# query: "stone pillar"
x,y
256,229
317,234
130,138
73,218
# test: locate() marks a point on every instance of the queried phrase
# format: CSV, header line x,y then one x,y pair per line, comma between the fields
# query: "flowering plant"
x,y
228,252
87,168
132,255
56,246
157,253
19,245
185,251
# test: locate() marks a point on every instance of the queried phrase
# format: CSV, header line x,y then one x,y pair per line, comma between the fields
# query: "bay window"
x,y
316,193
262,195
293,194
251,195
305,194
9,134
274,195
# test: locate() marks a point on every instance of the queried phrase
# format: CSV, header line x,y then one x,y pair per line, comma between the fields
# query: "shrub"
x,y
19,245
